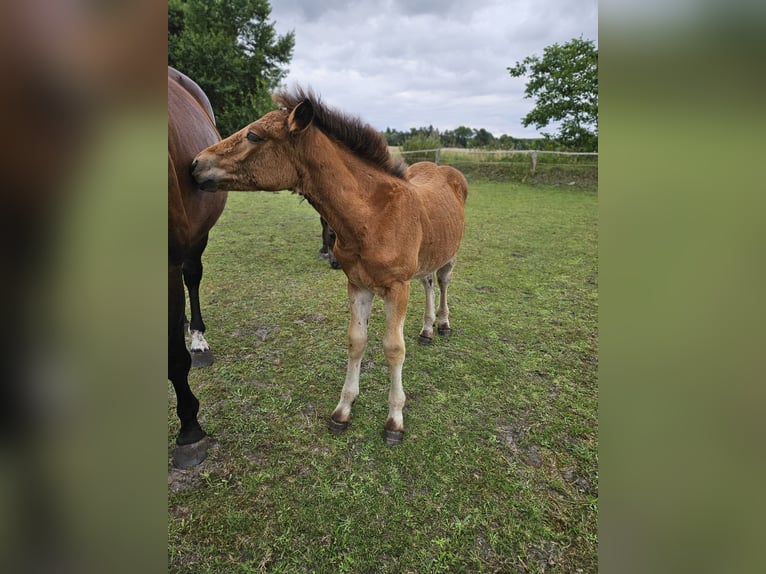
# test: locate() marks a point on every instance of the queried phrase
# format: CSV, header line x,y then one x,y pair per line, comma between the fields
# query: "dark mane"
x,y
359,137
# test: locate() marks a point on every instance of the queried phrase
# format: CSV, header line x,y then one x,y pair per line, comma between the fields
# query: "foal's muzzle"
x,y
202,172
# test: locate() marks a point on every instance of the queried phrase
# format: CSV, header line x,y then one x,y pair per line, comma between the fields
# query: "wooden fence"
x,y
537,165
533,154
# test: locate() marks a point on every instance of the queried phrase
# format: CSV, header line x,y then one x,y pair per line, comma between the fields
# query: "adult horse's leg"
x,y
191,443
328,243
192,272
325,249
393,346
444,275
429,316
360,301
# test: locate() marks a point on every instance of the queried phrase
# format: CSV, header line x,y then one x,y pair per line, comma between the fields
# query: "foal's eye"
x,y
254,137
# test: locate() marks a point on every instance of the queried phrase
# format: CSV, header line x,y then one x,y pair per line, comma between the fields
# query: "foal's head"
x,y
266,155
257,157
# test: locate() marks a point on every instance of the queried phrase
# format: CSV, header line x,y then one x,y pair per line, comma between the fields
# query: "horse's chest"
x,y
375,269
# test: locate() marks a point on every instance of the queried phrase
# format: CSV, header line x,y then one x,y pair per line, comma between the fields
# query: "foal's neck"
x,y
340,185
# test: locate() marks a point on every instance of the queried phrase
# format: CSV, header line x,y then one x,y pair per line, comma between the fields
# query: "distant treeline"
x,y
465,137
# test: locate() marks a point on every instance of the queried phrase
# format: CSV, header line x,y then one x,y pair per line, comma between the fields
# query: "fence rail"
x,y
455,156
495,151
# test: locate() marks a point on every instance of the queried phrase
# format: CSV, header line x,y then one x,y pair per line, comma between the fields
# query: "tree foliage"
x,y
564,85
465,137
232,50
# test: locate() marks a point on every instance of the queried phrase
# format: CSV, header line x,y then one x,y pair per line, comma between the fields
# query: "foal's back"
x,y
443,191
429,177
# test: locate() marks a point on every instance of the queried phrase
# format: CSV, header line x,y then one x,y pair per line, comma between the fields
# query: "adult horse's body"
x,y
393,224
191,214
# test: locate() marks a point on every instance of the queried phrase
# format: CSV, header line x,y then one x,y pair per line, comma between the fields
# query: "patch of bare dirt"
x,y
514,436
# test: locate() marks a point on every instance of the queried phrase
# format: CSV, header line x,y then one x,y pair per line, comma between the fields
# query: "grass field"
x,y
498,471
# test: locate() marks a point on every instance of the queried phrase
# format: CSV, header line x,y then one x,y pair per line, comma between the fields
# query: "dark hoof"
x,y
392,436
444,331
201,359
423,340
336,427
188,455
190,433
335,265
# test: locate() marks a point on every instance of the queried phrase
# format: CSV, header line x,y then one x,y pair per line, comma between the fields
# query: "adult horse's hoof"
x,y
336,427
444,331
188,455
423,340
201,359
393,437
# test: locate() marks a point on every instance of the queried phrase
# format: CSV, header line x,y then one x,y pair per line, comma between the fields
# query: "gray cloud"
x,y
403,64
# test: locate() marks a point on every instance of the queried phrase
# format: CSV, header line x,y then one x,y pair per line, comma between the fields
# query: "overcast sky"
x,y
412,63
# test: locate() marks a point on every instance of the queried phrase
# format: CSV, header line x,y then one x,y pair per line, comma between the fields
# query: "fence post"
x,y
534,162
438,156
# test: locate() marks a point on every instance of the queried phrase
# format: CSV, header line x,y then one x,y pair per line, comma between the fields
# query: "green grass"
x,y
498,471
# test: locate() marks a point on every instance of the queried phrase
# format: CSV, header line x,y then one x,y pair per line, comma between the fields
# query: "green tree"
x,y
233,52
463,135
506,142
564,85
482,138
393,137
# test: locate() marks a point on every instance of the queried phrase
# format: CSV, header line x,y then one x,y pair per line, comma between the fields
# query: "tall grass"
x,y
498,471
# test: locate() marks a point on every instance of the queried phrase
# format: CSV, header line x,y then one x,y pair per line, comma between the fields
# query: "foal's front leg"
x,y
393,346
360,301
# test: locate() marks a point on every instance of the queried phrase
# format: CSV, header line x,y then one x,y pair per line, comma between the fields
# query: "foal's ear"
x,y
300,118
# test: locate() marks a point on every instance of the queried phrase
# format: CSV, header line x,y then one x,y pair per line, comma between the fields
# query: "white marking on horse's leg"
x,y
444,276
429,316
394,349
198,343
360,302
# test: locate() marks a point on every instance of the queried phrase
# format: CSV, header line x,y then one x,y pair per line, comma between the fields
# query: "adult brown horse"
x,y
393,224
198,206
191,214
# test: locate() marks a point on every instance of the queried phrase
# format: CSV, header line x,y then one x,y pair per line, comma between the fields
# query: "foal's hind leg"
x,y
429,316
192,272
444,275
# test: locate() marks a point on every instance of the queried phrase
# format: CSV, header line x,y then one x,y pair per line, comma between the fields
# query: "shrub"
x,y
419,143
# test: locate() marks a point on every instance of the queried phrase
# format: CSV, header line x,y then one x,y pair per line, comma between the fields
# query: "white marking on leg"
x,y
396,399
360,302
394,349
198,343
